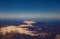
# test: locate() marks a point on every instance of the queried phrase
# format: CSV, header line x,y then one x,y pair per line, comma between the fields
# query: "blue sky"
x,y
30,8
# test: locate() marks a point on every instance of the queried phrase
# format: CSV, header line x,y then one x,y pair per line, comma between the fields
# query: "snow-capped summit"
x,y
27,24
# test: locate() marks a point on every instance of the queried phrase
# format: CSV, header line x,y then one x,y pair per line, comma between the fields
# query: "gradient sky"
x,y
30,8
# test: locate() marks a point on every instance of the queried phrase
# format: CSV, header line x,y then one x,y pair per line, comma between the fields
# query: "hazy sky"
x,y
30,8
